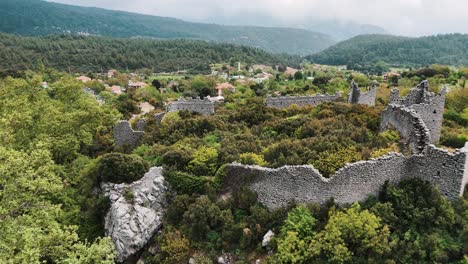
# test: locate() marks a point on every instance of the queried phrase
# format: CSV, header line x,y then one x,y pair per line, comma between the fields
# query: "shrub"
x,y
183,182
120,168
204,161
252,159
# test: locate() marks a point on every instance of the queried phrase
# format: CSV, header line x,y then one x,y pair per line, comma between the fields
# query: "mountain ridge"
x,y
451,49
39,18
93,53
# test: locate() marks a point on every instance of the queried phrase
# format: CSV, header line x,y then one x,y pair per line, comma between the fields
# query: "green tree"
x,y
297,235
119,168
204,162
354,233
30,223
298,75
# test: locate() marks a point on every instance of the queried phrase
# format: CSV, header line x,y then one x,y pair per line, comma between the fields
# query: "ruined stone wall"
x,y
357,97
124,135
204,107
409,125
354,182
286,101
427,105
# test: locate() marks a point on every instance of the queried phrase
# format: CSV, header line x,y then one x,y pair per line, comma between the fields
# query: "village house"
x,y
83,78
111,73
136,85
290,71
224,86
388,75
115,89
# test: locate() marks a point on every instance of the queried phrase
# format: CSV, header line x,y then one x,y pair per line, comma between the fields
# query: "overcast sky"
x,y
404,17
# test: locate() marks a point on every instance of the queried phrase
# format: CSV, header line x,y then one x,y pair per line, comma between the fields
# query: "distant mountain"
x,y
39,18
83,54
342,30
451,49
338,29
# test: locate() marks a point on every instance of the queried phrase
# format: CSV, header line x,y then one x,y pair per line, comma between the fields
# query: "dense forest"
x,y
84,54
364,51
39,18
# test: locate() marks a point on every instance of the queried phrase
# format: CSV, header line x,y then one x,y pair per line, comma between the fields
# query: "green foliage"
x,y
369,51
204,216
186,183
83,54
204,161
300,221
175,248
62,118
30,223
354,232
426,226
329,162
252,159
119,168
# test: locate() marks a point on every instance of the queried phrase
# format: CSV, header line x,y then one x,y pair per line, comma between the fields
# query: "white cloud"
x,y
407,17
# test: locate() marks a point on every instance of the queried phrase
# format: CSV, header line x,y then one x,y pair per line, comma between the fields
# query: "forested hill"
x,y
82,54
451,49
38,18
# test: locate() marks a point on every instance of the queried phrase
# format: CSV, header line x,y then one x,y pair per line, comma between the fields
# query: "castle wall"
x,y
354,182
204,107
124,135
357,97
409,124
286,101
429,107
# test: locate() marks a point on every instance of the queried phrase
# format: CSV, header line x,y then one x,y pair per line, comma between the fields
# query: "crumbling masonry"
x,y
355,95
429,107
124,135
203,107
286,101
356,181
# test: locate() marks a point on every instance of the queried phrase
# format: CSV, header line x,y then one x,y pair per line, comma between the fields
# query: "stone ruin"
x,y
356,181
355,95
420,102
286,101
125,135
201,106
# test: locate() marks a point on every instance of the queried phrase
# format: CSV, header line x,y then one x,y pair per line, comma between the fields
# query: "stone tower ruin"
x,y
428,106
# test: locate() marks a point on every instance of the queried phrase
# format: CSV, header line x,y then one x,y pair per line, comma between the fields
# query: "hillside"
x,y
38,18
79,53
451,49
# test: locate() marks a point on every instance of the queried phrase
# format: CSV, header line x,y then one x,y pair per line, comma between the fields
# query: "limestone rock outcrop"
x,y
136,212
267,238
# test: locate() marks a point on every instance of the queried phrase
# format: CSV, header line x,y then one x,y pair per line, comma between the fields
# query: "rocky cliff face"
x,y
136,212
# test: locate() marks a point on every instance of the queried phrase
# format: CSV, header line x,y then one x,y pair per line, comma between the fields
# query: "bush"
x,y
120,168
183,182
252,159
